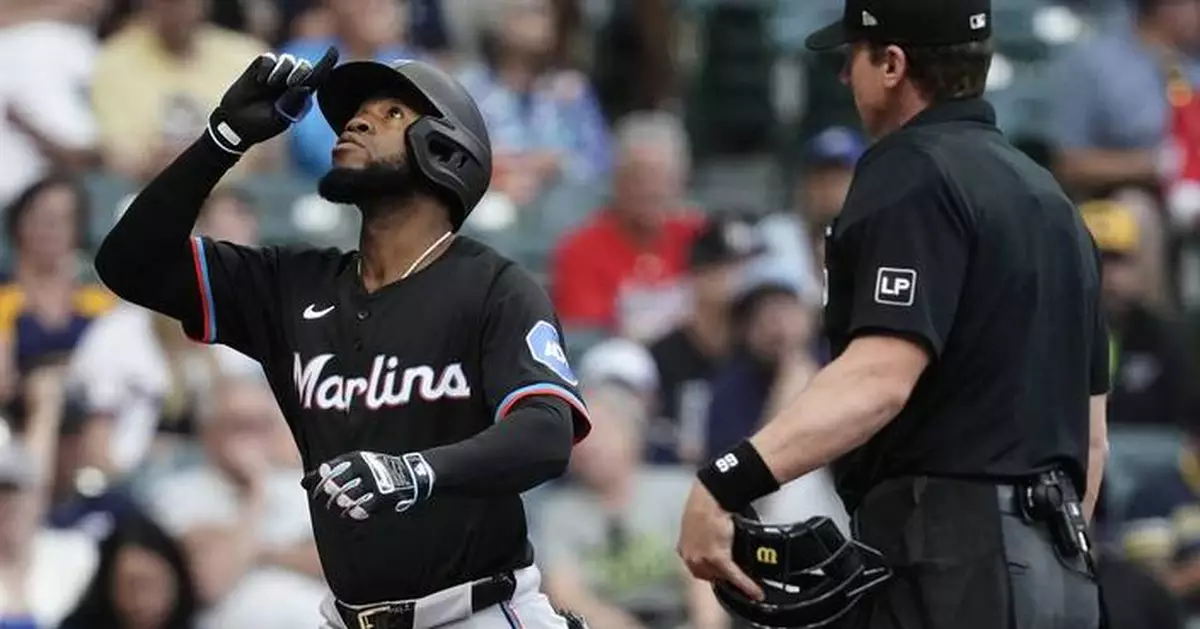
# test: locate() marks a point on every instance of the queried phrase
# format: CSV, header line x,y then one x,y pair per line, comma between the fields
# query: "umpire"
x,y
965,408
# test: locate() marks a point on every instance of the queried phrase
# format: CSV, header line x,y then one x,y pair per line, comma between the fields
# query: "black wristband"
x,y
738,478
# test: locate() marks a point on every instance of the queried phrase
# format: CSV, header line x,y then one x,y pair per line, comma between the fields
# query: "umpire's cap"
x,y
812,575
916,22
449,144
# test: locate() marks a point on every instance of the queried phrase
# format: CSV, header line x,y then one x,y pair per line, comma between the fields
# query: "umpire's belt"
x,y
445,606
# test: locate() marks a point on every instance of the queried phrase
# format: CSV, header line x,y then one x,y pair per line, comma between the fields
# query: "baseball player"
x,y
423,376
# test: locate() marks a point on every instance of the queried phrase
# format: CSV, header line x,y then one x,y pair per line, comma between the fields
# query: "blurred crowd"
x,y
668,168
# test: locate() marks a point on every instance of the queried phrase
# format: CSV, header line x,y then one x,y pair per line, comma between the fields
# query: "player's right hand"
x,y
272,93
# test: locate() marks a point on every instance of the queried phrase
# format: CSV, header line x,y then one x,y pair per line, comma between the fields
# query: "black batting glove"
x,y
274,92
360,484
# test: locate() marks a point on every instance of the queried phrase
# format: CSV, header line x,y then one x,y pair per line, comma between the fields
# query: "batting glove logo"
x,y
360,484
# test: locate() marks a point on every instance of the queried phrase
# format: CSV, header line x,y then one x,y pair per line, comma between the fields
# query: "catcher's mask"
x,y
811,574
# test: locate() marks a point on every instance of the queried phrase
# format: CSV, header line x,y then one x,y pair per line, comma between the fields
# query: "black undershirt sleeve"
x,y
147,257
529,446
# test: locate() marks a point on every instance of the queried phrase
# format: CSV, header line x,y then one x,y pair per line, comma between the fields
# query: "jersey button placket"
x,y
361,315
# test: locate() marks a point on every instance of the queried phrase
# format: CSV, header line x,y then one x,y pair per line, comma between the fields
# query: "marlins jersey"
x,y
427,361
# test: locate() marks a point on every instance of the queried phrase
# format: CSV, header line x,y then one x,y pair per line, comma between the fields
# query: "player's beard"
x,y
384,182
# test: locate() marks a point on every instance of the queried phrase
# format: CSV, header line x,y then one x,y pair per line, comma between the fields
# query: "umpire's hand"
x,y
706,543
359,484
273,92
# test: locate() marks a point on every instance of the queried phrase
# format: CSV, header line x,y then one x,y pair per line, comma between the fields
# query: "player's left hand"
x,y
359,484
706,543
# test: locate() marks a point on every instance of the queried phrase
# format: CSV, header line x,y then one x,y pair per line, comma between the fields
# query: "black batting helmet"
x,y
449,144
810,573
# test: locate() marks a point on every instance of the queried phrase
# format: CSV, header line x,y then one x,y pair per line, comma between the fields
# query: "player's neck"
x,y
391,241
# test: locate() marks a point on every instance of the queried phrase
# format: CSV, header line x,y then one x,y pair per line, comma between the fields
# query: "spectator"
x,y
18,522
828,164
244,524
136,374
544,121
229,214
1116,129
361,30
687,356
622,270
45,120
43,572
1152,385
774,341
775,349
45,307
1112,115
158,78
605,542
622,362
1133,598
1162,526
142,582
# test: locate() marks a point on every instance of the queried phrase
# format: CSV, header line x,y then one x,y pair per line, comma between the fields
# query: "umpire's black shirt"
x,y
953,238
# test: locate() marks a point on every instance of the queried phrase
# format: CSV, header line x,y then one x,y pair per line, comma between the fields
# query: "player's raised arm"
x,y
149,258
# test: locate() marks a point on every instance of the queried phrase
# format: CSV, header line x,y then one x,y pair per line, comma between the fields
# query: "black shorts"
x,y
964,559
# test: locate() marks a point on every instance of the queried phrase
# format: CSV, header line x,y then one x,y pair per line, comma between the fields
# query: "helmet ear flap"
x,y
447,157
444,159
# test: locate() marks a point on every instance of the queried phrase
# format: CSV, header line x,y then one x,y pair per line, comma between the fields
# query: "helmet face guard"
x,y
810,573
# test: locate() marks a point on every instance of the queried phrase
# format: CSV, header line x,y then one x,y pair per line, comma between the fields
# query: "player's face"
x,y
369,159
375,135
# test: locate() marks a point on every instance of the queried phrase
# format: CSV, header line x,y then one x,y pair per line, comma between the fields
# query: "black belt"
x,y
485,593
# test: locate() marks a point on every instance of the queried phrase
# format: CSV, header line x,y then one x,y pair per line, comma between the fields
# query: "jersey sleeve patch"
x,y
895,286
546,348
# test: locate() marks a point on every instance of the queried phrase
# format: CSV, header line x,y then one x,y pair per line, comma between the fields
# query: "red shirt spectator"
x,y
621,272
603,269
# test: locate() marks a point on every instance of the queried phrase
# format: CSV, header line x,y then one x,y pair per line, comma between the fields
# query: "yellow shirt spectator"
x,y
150,102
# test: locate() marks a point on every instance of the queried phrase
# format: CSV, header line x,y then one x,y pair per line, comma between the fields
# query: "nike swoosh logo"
x,y
311,312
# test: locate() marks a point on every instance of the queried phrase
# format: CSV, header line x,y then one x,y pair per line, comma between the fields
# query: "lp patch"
x,y
895,287
546,348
